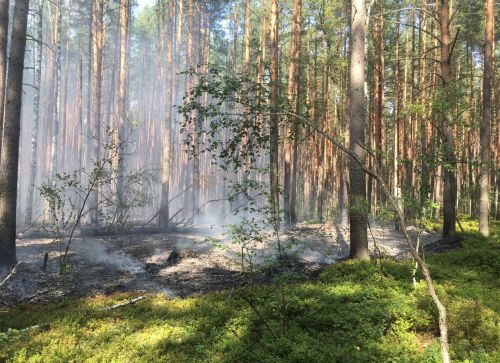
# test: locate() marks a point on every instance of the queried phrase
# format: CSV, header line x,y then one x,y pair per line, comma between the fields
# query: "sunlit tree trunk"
x,y
95,104
36,115
274,118
56,43
290,172
79,115
12,129
88,132
64,111
425,124
378,99
357,193
246,57
121,100
263,41
485,124
396,126
167,124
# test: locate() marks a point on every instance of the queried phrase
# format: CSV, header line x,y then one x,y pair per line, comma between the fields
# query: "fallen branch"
x,y
10,274
120,305
30,328
24,330
443,325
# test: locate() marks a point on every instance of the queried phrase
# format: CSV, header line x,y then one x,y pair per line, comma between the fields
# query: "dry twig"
x,y
10,274
128,302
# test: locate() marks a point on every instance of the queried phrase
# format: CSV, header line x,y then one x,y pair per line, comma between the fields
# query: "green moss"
x,y
354,312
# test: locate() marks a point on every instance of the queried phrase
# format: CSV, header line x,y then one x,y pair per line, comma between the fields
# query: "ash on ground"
x,y
177,264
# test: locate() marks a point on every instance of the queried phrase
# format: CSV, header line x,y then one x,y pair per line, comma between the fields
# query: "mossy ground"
x,y
354,312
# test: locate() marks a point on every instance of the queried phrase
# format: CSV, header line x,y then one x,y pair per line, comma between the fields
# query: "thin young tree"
x,y
10,150
357,179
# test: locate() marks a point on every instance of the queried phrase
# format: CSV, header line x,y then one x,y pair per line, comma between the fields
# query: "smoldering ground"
x,y
175,264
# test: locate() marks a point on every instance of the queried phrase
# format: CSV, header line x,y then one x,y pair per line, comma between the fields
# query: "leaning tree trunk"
x,y
357,194
10,151
485,125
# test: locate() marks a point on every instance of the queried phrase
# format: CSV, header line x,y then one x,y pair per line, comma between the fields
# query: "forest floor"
x,y
177,264
351,311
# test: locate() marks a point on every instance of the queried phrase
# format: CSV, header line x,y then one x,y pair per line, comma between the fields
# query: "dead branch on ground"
x,y
10,274
128,302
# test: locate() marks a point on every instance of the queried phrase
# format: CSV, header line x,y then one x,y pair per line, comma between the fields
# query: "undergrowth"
x,y
354,312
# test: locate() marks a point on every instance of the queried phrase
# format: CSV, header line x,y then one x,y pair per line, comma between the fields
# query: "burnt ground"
x,y
174,263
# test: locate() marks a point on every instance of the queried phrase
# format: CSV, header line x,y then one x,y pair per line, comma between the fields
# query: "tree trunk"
x,y
56,43
290,175
485,124
274,118
10,149
36,116
246,57
122,106
164,215
64,113
395,129
450,180
4,33
357,193
97,54
425,124
79,115
378,99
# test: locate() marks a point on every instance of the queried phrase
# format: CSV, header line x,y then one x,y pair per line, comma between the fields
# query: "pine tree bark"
x,y
96,95
396,128
484,206
357,193
164,215
378,100
12,129
424,124
291,147
450,180
246,57
56,43
274,117
122,106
